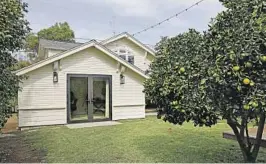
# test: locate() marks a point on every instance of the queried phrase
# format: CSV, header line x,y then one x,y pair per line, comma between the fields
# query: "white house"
x,y
94,81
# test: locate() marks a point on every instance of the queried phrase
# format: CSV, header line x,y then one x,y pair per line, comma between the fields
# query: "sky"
x,y
100,19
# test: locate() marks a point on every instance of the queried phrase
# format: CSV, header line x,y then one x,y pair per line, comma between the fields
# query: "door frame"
x,y
109,77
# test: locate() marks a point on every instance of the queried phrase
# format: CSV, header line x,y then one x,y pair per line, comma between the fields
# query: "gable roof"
x,y
131,38
76,49
58,45
61,45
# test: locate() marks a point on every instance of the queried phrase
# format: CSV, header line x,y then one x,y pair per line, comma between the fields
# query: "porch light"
x,y
122,79
55,77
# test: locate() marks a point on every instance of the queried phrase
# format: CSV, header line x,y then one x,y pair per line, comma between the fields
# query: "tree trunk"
x,y
249,157
258,136
240,141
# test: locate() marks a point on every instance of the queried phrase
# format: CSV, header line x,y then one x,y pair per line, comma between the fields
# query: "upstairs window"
x,y
125,54
130,59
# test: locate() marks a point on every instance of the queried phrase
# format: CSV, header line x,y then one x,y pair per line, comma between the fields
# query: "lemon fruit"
x,y
182,70
246,81
246,107
263,58
248,65
236,68
255,104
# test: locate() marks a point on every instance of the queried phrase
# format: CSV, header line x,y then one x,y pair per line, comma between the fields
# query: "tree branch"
x,y
242,127
240,141
248,140
259,136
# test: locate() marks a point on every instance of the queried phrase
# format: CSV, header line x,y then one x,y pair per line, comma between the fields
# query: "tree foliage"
x,y
20,64
218,75
32,42
175,77
13,28
58,32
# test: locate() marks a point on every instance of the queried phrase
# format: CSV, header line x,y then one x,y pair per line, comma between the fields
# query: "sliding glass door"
x,y
89,98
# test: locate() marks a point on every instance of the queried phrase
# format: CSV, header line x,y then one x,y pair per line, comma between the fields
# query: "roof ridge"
x,y
127,35
61,41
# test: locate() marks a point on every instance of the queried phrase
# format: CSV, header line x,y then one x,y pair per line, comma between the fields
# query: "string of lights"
x,y
153,26
75,38
167,19
99,40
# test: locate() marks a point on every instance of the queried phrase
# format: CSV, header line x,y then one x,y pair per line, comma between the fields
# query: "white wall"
x,y
42,97
138,52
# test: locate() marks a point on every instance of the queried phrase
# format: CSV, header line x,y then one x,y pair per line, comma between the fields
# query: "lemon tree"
x,y
236,53
218,75
176,75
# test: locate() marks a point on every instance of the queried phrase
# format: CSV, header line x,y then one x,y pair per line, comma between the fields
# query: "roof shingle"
x,y
58,45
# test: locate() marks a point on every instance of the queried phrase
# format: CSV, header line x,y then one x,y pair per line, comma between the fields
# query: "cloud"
x,y
151,8
98,19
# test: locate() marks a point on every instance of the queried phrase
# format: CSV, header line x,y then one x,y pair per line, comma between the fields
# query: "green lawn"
x,y
145,140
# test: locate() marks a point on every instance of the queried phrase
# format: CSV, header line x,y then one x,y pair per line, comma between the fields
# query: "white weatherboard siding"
x,y
128,111
42,117
139,53
42,102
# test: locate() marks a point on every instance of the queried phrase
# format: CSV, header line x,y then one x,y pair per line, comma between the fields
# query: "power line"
x,y
73,38
150,27
88,39
167,19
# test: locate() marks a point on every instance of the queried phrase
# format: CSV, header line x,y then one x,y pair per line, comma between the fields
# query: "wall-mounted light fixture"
x,y
56,68
122,79
55,77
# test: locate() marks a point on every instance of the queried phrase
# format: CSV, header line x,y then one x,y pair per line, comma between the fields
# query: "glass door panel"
x,y
101,98
78,98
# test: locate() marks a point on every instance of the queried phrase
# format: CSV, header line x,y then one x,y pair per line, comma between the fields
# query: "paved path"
x,y
252,135
92,124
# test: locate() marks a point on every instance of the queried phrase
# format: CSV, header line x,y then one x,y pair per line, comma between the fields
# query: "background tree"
x,y
58,32
224,78
13,29
32,42
20,64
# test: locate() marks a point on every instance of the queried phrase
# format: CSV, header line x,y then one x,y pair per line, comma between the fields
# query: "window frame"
x,y
132,58
125,54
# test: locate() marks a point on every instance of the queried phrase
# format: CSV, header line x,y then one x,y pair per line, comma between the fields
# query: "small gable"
x,y
129,50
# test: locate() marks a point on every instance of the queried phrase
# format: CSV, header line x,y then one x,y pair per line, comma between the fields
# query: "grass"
x,y
145,140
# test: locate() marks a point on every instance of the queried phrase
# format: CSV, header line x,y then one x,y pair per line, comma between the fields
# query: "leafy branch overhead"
x,y
216,75
13,29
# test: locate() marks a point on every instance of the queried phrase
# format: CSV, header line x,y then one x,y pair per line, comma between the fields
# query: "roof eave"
x,y
75,50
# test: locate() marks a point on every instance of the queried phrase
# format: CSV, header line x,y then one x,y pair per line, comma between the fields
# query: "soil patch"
x,y
14,148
